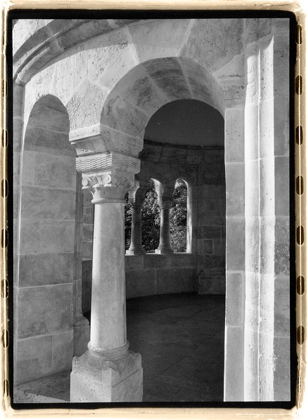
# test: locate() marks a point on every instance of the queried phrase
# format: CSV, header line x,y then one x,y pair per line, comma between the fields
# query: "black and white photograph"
x,y
152,210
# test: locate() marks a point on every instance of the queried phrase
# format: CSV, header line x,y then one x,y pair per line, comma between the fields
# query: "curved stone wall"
x,y
152,274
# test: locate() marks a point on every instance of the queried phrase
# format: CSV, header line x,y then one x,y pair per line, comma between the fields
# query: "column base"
x,y
81,335
94,379
136,251
164,251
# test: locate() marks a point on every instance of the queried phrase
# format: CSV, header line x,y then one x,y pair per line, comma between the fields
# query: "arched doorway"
x,y
203,167
126,111
180,362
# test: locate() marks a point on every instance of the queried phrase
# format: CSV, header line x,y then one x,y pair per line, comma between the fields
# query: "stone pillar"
x,y
257,365
252,226
234,82
165,200
17,144
283,261
108,371
190,238
136,199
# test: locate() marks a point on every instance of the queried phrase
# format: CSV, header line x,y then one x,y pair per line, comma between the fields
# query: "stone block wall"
x,y
235,258
154,274
45,246
211,223
150,274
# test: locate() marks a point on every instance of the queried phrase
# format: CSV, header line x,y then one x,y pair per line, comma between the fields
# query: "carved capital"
x,y
96,180
108,186
108,176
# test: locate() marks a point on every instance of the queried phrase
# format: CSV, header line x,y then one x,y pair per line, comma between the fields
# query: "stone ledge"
x,y
153,260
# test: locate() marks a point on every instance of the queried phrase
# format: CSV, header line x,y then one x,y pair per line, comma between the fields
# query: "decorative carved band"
x,y
108,175
93,162
108,160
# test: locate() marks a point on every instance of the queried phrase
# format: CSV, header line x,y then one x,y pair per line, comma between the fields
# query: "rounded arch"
x,y
146,88
48,127
47,183
43,99
46,245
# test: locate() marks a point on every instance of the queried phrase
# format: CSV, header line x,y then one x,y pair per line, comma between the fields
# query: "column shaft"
x,y
108,371
136,233
108,311
164,240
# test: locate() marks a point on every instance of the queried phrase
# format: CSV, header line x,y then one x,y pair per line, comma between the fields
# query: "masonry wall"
x,y
211,227
150,274
46,253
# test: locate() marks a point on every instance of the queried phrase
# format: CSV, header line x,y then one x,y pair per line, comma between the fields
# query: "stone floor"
x,y
181,340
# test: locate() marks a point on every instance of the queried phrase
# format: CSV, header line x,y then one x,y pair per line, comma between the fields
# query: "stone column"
x,y
108,371
191,211
165,200
136,199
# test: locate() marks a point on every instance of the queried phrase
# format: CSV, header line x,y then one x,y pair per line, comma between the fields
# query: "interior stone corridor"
x,y
181,339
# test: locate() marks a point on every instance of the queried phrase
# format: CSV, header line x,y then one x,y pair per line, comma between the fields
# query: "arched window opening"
x,y
150,213
178,217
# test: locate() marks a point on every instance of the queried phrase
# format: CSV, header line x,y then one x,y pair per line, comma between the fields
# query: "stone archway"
x,y
110,174
149,86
